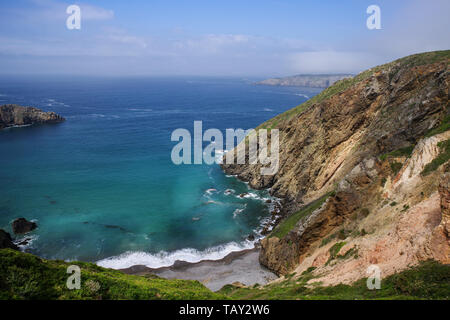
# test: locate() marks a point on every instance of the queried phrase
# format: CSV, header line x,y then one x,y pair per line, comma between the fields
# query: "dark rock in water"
x,y
6,241
24,242
111,226
268,201
243,194
14,115
22,225
265,231
229,191
251,237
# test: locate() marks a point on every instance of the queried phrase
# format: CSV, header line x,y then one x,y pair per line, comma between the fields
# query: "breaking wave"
x,y
166,259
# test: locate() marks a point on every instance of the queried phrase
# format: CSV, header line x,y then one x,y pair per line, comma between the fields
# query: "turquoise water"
x,y
102,186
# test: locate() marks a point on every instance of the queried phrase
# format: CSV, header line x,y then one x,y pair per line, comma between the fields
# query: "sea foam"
x,y
166,259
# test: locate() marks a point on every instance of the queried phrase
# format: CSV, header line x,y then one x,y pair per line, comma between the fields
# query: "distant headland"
x,y
305,80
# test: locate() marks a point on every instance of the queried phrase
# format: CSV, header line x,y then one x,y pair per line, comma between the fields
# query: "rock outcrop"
x,y
444,193
367,140
22,225
14,115
6,241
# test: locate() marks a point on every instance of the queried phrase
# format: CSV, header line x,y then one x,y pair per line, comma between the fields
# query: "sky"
x,y
244,38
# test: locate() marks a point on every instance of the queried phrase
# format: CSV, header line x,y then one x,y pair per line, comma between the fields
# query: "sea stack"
x,y
22,225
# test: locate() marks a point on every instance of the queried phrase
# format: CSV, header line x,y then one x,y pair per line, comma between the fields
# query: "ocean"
x,y
102,187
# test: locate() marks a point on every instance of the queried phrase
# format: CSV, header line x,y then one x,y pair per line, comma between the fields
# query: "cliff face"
x,y
14,115
305,80
378,141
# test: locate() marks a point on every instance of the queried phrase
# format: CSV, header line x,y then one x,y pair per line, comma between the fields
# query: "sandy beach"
x,y
242,266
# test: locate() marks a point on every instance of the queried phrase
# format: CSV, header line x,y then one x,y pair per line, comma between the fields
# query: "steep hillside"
x,y
360,167
24,276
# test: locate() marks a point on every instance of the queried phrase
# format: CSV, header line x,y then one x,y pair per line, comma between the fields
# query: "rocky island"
x,y
13,115
305,80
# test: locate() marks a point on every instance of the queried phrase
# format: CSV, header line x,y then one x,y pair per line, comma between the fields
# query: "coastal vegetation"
x,y
24,276
288,224
428,280
443,157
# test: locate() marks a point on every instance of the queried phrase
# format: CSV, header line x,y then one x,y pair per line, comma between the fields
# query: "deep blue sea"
x,y
102,187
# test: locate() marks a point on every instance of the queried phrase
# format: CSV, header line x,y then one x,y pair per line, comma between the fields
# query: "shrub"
x,y
443,156
395,167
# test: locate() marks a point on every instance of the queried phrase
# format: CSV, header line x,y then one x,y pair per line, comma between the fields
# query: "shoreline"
x,y
240,267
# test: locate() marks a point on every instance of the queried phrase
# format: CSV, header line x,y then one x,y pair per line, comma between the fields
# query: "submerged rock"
x,y
22,225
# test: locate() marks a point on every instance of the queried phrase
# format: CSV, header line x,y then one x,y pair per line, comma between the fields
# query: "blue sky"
x,y
215,38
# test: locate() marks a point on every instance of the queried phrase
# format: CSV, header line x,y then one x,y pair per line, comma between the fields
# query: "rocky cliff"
x,y
360,171
305,80
14,115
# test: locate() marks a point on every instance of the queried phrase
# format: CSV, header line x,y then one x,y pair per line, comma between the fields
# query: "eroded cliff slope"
x,y
359,170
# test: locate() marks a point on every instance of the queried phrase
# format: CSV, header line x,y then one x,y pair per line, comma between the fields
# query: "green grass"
x,y
443,157
334,252
328,239
429,280
24,276
402,152
342,85
395,167
289,223
444,126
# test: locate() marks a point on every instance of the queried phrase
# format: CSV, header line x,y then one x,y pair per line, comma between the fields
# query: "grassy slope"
x,y
24,276
342,85
289,223
429,280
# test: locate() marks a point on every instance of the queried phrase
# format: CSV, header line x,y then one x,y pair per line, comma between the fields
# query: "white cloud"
x,y
90,12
